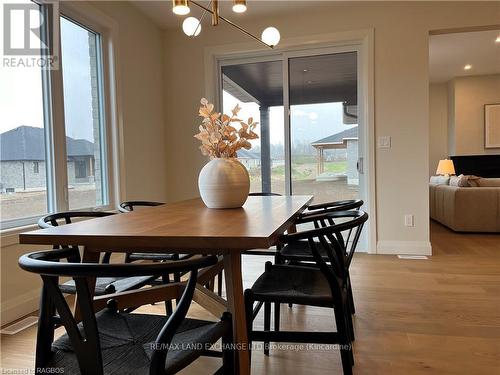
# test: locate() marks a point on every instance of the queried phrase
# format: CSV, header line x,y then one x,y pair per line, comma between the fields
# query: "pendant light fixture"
x,y
180,7
239,6
192,25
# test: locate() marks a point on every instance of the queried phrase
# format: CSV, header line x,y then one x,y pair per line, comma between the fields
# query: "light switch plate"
x,y
384,142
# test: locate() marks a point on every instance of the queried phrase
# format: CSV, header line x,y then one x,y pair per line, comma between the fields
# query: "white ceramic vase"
x,y
224,183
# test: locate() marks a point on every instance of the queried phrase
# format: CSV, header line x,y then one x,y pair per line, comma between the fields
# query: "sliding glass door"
x,y
307,106
323,126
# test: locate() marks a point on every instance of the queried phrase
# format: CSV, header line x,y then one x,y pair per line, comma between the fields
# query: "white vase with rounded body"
x,y
224,183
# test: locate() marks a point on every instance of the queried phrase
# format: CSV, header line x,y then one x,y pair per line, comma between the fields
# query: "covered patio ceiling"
x,y
313,79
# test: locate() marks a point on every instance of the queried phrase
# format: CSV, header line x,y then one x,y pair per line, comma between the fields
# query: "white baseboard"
x,y
19,306
404,247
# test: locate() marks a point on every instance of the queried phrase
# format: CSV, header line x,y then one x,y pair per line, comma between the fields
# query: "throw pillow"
x,y
439,180
463,181
473,180
489,182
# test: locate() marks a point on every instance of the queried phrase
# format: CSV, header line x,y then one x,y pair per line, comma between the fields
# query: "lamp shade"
x,y
445,167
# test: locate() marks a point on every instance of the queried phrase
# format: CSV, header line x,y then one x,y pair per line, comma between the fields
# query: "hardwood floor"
x,y
435,316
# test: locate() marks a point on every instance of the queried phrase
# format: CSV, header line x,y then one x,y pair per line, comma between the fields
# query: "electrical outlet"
x,y
409,220
384,142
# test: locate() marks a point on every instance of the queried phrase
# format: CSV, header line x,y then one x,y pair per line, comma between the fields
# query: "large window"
x,y
83,117
23,188
53,131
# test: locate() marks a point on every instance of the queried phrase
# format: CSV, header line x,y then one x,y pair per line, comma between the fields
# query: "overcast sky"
x,y
309,122
21,87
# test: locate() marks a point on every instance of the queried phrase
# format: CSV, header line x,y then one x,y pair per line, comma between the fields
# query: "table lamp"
x,y
445,167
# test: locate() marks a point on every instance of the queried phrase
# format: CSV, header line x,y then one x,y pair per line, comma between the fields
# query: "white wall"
x,y
470,95
456,116
140,55
438,124
401,98
451,118
141,67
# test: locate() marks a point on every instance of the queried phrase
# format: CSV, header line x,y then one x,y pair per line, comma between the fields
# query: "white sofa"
x,y
467,209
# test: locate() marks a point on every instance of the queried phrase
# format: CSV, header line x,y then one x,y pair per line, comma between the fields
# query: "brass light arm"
x,y
229,22
215,12
202,18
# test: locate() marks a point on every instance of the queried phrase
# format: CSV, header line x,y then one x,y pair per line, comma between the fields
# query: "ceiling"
x,y
313,79
449,53
161,11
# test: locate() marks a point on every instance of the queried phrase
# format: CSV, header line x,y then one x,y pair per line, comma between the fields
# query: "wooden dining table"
x,y
186,227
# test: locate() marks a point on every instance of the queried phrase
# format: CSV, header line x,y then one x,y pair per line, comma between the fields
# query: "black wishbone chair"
x,y
300,252
129,206
113,342
264,194
104,285
323,285
344,205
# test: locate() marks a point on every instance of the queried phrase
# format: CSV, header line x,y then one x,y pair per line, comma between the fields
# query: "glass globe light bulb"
x,y
191,26
271,36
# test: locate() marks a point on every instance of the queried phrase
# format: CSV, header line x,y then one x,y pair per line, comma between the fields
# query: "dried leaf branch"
x,y
219,139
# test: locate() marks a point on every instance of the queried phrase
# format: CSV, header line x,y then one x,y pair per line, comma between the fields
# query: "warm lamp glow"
x,y
191,26
445,167
497,40
468,67
271,36
180,7
239,6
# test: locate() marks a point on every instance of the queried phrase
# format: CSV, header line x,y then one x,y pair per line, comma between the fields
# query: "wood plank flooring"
x,y
436,316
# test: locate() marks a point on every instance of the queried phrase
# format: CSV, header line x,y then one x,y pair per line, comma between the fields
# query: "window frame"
x,y
106,28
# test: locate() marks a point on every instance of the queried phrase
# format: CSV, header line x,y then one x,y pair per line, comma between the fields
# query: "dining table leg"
x,y
236,306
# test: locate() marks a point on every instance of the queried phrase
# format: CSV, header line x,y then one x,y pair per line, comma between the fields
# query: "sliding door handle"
x,y
359,165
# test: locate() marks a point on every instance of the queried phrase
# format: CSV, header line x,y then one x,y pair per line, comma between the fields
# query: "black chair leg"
x,y
168,303
346,354
350,326
177,279
267,324
276,317
249,314
228,352
350,295
219,284
45,330
346,357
